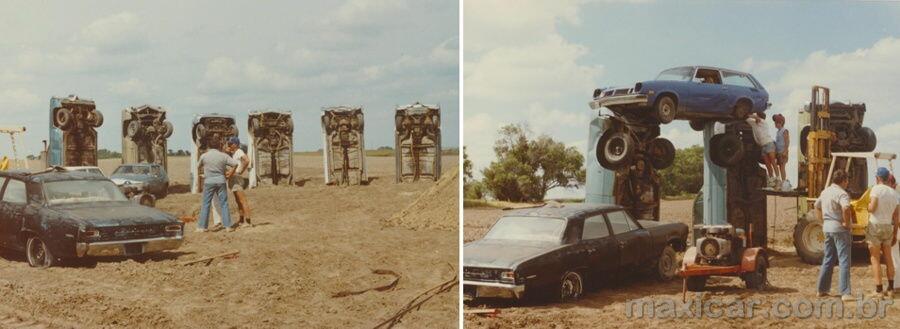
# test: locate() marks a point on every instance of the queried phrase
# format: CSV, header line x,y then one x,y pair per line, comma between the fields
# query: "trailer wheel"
x,y
666,264
38,253
726,150
804,142
809,241
758,278
696,283
615,150
571,287
662,153
665,109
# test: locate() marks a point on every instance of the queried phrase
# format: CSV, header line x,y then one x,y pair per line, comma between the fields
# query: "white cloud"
x,y
224,74
18,100
118,32
362,13
133,87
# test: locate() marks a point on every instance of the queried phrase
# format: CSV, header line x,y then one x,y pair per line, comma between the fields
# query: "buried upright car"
x,y
58,214
556,250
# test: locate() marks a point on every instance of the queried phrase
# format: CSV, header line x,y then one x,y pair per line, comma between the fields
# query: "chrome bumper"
x,y
128,247
630,99
494,289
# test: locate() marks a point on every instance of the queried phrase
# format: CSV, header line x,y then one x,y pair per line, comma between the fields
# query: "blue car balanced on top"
x,y
696,93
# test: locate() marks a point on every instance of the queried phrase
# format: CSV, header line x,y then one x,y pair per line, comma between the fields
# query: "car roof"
x,y
708,67
51,175
564,211
144,164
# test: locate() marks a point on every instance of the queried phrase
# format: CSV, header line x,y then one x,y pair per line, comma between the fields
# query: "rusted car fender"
x,y
748,259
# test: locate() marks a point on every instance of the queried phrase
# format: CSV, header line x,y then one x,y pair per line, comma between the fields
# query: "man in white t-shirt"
x,y
762,137
881,232
239,180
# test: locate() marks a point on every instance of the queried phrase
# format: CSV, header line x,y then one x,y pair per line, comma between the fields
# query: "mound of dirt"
x,y
437,208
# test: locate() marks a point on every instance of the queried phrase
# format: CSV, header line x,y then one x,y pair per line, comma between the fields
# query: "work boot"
x,y
249,223
229,229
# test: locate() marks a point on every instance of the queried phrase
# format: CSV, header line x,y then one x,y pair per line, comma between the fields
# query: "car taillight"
x,y
173,228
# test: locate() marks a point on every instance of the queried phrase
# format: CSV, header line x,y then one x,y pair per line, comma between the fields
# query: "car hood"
x,y
505,254
102,214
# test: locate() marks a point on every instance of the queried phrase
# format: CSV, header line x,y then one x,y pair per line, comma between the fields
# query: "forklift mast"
x,y
818,141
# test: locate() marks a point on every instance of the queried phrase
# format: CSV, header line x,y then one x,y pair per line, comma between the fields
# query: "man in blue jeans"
x,y
833,210
216,171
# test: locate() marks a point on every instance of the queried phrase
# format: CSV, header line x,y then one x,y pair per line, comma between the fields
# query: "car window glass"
x,y
676,74
154,171
620,222
708,76
595,228
736,79
15,192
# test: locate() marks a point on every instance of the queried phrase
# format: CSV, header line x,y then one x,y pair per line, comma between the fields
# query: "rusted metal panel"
x,y
271,147
417,142
344,145
145,134
206,127
73,134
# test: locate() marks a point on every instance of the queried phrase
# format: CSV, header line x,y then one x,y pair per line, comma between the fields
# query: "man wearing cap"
x,y
881,233
239,181
215,165
833,210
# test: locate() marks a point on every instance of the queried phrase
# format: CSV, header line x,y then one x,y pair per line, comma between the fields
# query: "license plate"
x,y
134,249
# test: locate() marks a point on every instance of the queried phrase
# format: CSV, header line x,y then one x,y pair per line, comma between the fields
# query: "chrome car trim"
x,y
515,290
632,99
117,248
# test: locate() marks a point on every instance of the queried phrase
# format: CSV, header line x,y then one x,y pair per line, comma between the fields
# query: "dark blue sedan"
x,y
695,93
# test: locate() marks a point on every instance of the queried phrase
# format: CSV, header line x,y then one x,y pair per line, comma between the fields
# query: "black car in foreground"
x,y
553,250
58,214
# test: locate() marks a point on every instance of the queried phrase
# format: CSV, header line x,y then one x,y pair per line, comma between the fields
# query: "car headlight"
x,y
173,228
508,276
89,234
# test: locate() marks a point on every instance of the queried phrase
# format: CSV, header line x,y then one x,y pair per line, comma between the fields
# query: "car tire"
x,y
804,141
615,150
758,278
169,129
200,131
661,153
869,139
666,264
809,240
133,129
254,125
38,254
726,150
697,125
742,110
95,118
571,287
665,109
696,283
144,199
62,118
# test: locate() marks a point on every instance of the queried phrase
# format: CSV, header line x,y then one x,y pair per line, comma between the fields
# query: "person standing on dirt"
x,y
881,233
215,172
239,181
757,122
782,144
833,210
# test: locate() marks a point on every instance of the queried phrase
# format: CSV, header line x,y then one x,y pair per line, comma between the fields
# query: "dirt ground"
x,y
309,242
792,282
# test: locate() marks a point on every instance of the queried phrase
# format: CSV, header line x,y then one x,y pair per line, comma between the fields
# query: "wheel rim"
x,y
571,287
615,149
665,265
37,254
665,110
813,238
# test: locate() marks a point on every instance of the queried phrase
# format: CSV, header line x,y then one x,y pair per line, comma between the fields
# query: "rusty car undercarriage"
x,y
417,142
73,134
345,157
145,133
205,128
271,147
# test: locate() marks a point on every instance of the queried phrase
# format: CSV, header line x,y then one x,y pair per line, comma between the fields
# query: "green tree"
x,y
472,188
685,175
526,169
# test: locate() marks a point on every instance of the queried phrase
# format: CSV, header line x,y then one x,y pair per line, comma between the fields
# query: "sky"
x,y
229,57
539,62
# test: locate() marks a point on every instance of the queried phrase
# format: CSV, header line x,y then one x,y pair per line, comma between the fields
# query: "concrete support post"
x,y
714,178
599,181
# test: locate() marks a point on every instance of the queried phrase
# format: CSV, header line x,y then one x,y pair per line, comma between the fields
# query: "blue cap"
x,y
882,173
234,140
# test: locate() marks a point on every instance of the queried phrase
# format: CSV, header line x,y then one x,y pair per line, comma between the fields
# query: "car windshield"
x,y
132,170
81,191
677,74
528,229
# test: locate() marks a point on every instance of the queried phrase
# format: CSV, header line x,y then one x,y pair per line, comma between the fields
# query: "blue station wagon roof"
x,y
707,67
564,211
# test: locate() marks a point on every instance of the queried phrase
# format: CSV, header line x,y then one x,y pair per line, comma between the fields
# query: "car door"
x,y
12,210
600,246
632,241
706,94
741,86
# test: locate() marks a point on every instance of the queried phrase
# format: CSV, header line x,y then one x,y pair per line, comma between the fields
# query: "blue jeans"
x,y
220,191
837,250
